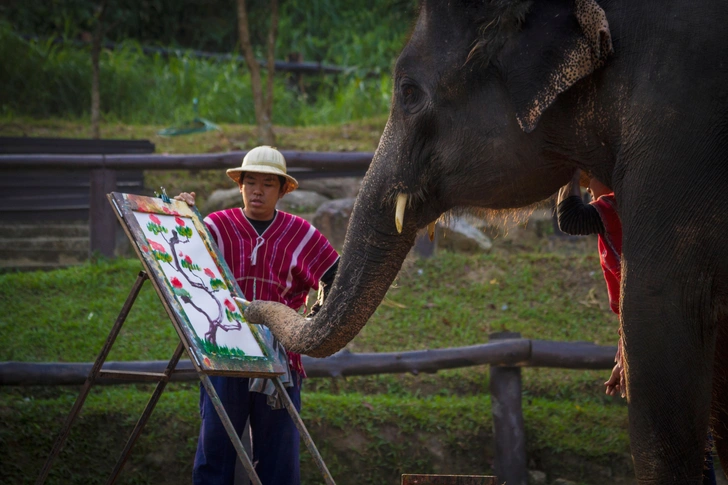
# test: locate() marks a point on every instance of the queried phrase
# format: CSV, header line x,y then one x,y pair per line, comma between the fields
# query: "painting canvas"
x,y
197,287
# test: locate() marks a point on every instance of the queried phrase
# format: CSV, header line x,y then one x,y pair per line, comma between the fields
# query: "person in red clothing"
x,y
599,217
274,256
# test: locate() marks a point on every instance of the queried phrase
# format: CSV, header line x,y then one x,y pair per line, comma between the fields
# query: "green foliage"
x,y
181,292
221,351
161,256
42,79
189,265
341,32
156,228
217,284
233,316
184,231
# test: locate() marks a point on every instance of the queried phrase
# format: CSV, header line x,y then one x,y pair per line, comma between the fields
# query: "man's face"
x,y
597,189
261,192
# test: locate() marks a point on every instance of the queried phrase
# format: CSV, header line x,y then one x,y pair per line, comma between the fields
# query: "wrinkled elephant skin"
x,y
495,104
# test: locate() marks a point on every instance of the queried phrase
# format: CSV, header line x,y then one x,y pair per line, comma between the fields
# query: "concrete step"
x,y
43,244
29,247
16,267
24,257
42,252
15,231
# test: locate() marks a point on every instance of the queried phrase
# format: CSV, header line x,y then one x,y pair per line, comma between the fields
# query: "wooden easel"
x,y
97,372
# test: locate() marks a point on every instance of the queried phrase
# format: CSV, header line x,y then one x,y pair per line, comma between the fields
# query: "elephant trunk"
x,y
373,253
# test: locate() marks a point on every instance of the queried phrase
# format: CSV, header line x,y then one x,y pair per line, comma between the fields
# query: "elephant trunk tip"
x,y
288,326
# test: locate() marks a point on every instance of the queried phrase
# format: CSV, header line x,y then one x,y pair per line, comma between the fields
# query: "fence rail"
x,y
510,352
323,162
103,176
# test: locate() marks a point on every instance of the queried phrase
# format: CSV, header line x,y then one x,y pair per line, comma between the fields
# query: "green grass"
x,y
66,315
375,427
375,438
448,301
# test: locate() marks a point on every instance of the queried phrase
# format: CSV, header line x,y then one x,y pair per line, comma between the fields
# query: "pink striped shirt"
x,y
282,264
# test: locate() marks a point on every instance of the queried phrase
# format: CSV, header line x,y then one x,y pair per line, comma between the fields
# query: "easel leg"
x,y
303,431
237,444
146,414
92,377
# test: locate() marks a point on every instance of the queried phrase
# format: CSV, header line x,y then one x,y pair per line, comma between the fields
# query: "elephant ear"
x,y
560,44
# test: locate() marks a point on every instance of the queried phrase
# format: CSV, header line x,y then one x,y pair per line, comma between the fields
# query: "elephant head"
x,y
472,89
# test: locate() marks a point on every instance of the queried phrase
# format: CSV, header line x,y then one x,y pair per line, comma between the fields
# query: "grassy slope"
x,y
541,291
49,316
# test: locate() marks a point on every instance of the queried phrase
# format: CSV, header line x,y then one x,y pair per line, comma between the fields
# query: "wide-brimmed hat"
x,y
264,159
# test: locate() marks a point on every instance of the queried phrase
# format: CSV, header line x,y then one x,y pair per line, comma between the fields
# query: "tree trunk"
x,y
262,118
95,73
272,34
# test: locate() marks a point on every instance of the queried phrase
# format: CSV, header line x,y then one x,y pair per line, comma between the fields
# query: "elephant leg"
x,y
720,396
668,345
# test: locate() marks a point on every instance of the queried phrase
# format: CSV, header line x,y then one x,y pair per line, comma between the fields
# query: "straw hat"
x,y
264,159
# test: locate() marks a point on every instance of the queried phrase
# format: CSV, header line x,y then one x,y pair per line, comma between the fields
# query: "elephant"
x,y
495,105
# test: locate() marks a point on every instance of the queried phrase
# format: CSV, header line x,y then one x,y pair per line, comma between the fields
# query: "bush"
x,y
47,80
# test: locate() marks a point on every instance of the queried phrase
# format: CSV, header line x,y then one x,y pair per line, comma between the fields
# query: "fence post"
x,y
508,428
102,221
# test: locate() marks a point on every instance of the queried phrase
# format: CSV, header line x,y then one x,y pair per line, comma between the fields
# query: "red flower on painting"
x,y
209,273
157,247
176,282
179,221
154,219
188,260
145,248
180,254
207,362
166,211
230,305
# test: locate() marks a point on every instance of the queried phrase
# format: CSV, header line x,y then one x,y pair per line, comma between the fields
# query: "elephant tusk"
x,y
399,212
431,231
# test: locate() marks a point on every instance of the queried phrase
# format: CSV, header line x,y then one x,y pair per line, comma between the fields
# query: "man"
x,y
274,256
600,217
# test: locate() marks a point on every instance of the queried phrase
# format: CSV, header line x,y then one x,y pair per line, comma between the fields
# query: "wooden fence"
x,y
506,354
103,170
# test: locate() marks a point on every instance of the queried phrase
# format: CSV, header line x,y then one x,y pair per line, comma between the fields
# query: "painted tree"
x,y
227,317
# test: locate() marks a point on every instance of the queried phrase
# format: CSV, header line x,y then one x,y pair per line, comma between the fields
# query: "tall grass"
x,y
46,80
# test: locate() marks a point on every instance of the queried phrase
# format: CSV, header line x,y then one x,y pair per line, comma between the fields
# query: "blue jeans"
x,y
275,437
709,470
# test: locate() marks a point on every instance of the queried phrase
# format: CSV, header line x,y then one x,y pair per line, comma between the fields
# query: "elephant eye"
x,y
411,97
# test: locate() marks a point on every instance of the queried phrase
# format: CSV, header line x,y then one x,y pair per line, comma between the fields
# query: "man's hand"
x,y
189,198
613,384
572,188
616,383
